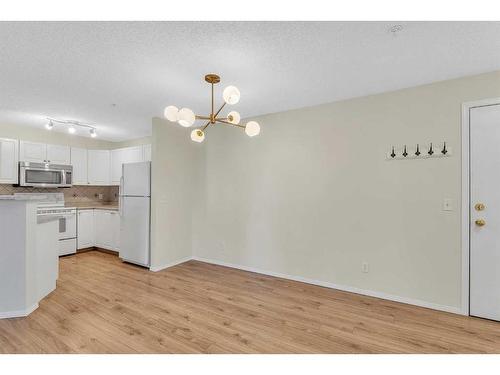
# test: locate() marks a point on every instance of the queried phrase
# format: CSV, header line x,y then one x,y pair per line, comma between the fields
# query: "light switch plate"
x,y
365,267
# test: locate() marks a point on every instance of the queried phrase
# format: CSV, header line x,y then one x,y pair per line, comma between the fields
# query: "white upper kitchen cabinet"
x,y
98,167
86,234
79,163
132,154
146,153
57,154
9,157
43,153
122,156
116,166
33,152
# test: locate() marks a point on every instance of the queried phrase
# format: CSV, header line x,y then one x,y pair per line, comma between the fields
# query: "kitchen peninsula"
x,y
27,272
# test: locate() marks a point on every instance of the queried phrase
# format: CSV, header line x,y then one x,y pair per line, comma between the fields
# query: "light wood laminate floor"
x,y
102,305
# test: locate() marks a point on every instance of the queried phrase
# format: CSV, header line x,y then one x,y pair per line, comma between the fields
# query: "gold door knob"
x,y
479,207
480,222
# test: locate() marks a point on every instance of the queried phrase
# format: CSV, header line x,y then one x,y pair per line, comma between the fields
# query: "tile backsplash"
x,y
78,194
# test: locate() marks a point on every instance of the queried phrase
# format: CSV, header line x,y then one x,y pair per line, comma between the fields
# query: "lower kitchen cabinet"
x,y
85,229
100,228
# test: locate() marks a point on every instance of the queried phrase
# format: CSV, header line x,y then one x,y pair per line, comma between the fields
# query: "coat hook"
x,y
430,150
393,154
418,150
444,151
405,154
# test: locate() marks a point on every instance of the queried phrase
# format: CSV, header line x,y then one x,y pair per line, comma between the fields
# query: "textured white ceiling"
x,y
78,70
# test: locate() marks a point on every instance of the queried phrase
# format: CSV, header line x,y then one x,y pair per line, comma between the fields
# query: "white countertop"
x,y
23,197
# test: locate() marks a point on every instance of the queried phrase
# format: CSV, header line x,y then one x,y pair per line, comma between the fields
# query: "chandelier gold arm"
x,y
209,118
220,109
212,117
228,123
203,117
205,126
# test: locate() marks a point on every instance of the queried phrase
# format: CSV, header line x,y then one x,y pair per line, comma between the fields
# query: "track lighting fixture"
x,y
72,126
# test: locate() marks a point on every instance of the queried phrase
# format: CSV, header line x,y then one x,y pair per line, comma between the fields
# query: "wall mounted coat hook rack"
x,y
405,153
393,154
444,151
432,151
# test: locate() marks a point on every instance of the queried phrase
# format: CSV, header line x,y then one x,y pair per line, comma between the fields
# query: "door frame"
x,y
466,107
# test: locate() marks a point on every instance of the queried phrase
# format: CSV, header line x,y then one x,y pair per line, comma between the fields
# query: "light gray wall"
x,y
26,133
313,196
132,142
174,178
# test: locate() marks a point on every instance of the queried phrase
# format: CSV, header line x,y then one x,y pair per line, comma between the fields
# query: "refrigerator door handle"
x,y
120,201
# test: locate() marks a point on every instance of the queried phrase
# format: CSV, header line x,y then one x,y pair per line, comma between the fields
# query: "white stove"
x,y
52,207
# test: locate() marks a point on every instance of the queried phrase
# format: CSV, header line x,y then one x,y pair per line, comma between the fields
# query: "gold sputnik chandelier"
x,y
186,117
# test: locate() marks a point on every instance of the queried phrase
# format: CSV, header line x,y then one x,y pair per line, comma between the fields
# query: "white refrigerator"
x,y
135,209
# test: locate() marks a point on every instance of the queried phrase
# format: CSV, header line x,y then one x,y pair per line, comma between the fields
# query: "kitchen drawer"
x,y
67,247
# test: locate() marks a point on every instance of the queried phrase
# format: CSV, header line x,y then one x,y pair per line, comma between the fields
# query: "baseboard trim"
x,y
171,264
18,313
95,248
370,293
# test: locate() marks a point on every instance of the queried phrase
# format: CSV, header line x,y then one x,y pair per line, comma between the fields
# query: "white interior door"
x,y
485,212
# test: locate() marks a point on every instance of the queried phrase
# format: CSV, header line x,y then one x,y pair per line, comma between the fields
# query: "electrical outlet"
x,y
222,246
447,204
101,197
365,267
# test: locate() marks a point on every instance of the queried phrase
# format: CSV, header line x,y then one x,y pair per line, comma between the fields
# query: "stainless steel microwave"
x,y
45,175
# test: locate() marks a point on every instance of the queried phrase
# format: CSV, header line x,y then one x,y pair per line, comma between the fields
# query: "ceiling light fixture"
x,y
186,117
72,126
395,29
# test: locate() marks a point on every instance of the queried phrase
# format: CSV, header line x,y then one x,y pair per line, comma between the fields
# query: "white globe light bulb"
x,y
49,125
186,117
93,133
252,128
231,95
72,129
171,113
233,117
197,135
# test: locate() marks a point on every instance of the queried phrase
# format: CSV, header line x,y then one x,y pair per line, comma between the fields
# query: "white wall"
x,y
313,197
174,179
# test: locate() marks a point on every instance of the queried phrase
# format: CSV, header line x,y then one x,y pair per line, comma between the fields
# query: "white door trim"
x,y
466,107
